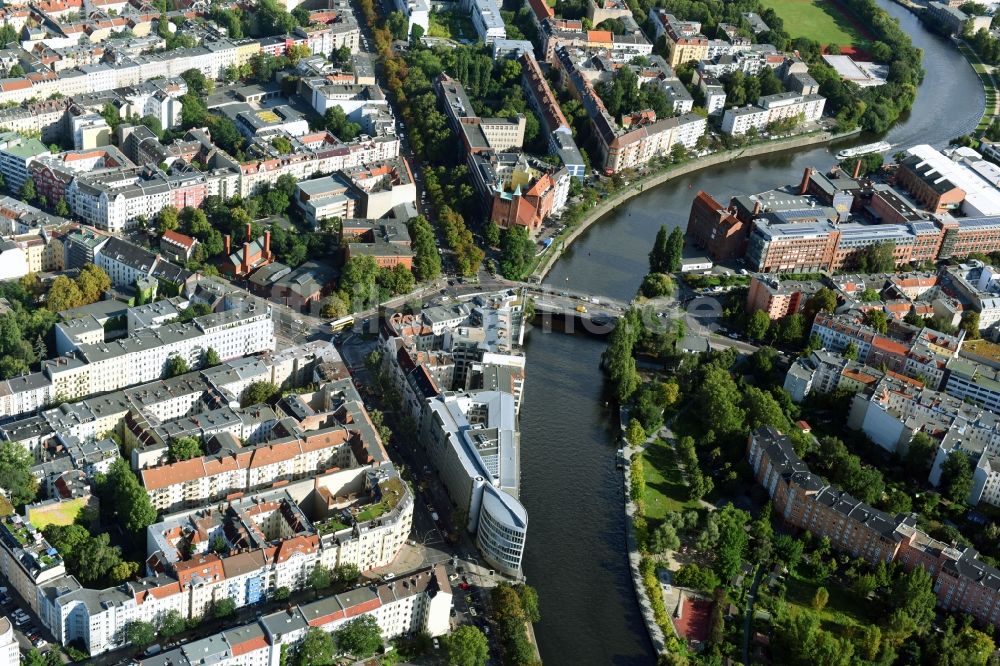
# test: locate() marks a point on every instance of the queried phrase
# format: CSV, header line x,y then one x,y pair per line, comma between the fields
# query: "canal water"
x,y
576,543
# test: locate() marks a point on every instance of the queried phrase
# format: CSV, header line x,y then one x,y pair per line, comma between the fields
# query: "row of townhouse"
x,y
341,502
891,408
190,588
918,352
210,58
316,152
642,135
162,400
198,404
417,603
212,477
541,98
116,199
962,582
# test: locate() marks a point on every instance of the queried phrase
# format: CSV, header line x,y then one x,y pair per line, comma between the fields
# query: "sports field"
x,y
821,20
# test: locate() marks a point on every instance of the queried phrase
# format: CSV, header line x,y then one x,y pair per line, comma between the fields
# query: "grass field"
x,y
666,490
63,513
450,25
844,608
816,19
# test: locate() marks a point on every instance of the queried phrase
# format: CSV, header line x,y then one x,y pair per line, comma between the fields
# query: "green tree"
x,y
674,250
64,294
398,24
877,319
920,453
15,473
210,359
914,598
336,122
92,283
184,448
140,634
258,392
347,575
516,252
658,256
529,603
176,366
124,499
824,300
877,258
316,649
95,558
167,219
198,83
664,538
333,307
172,624
223,608
427,259
820,598
635,433
758,325
851,352
361,637
970,324
467,646
124,571
956,476
655,285
718,395
763,410
492,234
319,578
733,540
28,193
358,282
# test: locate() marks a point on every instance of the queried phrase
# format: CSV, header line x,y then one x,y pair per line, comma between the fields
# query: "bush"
x,y
648,570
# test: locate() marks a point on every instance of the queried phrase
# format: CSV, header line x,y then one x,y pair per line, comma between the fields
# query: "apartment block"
x,y
773,108
418,602
920,353
776,297
471,436
961,581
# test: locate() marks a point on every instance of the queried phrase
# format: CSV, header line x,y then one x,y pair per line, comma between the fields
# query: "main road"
x,y
576,540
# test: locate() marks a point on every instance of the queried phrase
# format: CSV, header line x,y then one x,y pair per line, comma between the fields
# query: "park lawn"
x,y
844,609
666,490
820,20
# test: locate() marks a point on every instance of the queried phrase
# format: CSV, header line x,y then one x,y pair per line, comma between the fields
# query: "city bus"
x,y
342,324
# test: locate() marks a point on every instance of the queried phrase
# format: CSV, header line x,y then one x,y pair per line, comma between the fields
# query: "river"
x,y
576,543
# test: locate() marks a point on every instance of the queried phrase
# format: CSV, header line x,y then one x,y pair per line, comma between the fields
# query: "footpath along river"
x,y
576,539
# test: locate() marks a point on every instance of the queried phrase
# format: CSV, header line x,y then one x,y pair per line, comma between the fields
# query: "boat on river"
x,y
868,148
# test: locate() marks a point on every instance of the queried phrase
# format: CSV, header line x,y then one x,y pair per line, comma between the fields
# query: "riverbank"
x,y
986,75
559,244
632,454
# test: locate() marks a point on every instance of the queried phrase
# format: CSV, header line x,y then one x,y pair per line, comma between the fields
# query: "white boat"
x,y
857,151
